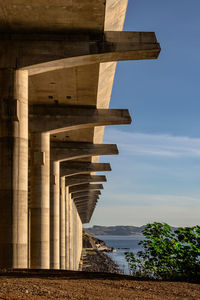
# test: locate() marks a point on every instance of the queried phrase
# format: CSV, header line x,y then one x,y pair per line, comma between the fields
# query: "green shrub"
x,y
167,254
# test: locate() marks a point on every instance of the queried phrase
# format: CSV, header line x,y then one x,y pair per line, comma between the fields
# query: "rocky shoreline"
x,y
97,261
94,258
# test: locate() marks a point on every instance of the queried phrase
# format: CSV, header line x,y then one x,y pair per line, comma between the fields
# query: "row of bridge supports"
x,y
25,131
45,214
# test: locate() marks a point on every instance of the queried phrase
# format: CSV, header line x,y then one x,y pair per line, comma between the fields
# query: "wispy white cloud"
x,y
154,144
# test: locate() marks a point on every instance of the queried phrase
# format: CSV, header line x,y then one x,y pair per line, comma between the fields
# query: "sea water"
x,y
122,244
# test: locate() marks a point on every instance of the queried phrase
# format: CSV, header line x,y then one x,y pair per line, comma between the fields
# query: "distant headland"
x,y
115,230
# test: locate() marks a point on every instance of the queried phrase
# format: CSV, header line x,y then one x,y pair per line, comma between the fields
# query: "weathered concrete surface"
x,y
78,179
86,193
54,118
115,12
45,16
54,215
62,223
67,239
40,202
78,167
13,168
62,151
45,53
86,199
85,187
71,252
85,206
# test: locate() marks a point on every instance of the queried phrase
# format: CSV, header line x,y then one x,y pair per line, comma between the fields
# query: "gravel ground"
x,y
90,286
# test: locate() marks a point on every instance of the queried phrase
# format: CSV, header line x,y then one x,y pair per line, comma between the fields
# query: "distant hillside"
x,y
115,230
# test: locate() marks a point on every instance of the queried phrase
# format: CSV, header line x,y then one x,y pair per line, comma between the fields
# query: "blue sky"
x,y
157,174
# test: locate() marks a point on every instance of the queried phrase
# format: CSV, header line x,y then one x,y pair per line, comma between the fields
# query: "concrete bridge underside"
x,y
57,65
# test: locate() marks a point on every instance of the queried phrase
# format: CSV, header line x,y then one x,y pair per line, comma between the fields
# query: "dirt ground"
x,y
90,286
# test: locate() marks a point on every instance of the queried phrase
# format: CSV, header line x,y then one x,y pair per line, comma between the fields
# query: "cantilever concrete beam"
x,y
61,151
83,214
87,202
77,167
86,193
53,119
86,215
83,207
40,53
84,199
78,179
85,187
86,211
86,207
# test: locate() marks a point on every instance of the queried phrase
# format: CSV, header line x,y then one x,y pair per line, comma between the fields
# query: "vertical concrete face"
x,y
40,211
67,228
13,168
62,223
73,234
74,238
80,238
77,242
55,215
71,257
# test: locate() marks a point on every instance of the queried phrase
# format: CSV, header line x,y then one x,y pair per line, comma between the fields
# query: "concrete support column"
x,y
55,215
71,265
74,237
13,168
76,252
62,223
40,211
67,228
77,239
80,242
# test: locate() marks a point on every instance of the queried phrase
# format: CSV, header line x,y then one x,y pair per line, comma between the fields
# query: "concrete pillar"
x,y
67,228
13,168
80,242
73,234
55,215
70,235
74,237
62,224
78,237
40,211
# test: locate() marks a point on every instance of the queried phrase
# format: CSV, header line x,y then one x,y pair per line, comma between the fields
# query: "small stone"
x,y
26,291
